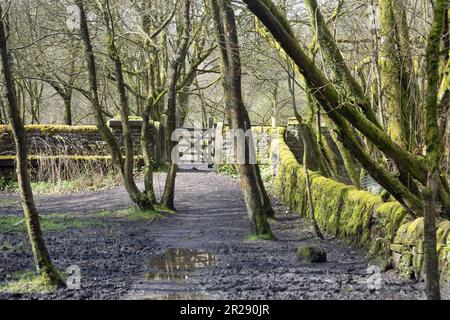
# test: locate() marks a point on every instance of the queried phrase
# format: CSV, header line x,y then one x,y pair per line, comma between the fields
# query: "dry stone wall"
x,y
361,218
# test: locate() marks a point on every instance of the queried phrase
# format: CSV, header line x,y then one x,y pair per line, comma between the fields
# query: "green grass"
x,y
160,208
63,221
229,170
6,246
51,222
135,214
160,168
63,186
8,185
25,282
43,187
260,237
131,214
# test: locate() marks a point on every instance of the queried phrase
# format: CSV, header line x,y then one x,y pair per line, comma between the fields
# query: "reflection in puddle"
x,y
176,264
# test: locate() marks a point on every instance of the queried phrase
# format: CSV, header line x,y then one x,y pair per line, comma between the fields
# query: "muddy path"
x,y
198,253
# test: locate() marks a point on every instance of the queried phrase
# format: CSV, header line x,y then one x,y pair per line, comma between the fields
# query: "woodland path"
x,y
198,253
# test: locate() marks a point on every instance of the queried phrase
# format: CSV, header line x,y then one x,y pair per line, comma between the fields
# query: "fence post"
x,y
218,146
164,139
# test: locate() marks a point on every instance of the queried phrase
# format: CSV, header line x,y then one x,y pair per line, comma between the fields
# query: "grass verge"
x,y
25,282
260,237
50,222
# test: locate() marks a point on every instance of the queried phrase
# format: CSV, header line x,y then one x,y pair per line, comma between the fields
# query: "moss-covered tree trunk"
x,y
396,72
140,199
225,22
126,169
67,109
307,163
314,156
167,200
434,139
398,85
334,58
431,257
342,113
146,144
266,202
41,255
347,158
168,197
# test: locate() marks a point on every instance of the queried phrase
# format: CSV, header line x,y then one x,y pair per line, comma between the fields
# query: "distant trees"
x,y
43,262
50,56
152,82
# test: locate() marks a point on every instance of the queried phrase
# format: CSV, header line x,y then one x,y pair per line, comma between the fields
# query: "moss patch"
x,y
311,254
53,129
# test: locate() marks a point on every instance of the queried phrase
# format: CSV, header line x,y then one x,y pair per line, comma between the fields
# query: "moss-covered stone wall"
x,y
62,140
361,218
56,140
69,145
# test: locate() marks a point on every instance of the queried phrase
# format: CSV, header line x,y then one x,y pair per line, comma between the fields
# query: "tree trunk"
x,y
342,111
136,196
431,257
396,72
435,149
167,200
220,38
347,158
147,152
68,109
168,197
266,202
41,255
308,146
334,58
140,199
232,75
3,116
306,151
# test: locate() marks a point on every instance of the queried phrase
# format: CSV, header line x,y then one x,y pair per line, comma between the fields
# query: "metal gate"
x,y
195,148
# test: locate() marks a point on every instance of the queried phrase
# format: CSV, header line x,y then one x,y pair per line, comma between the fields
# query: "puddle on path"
x,y
169,271
177,264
